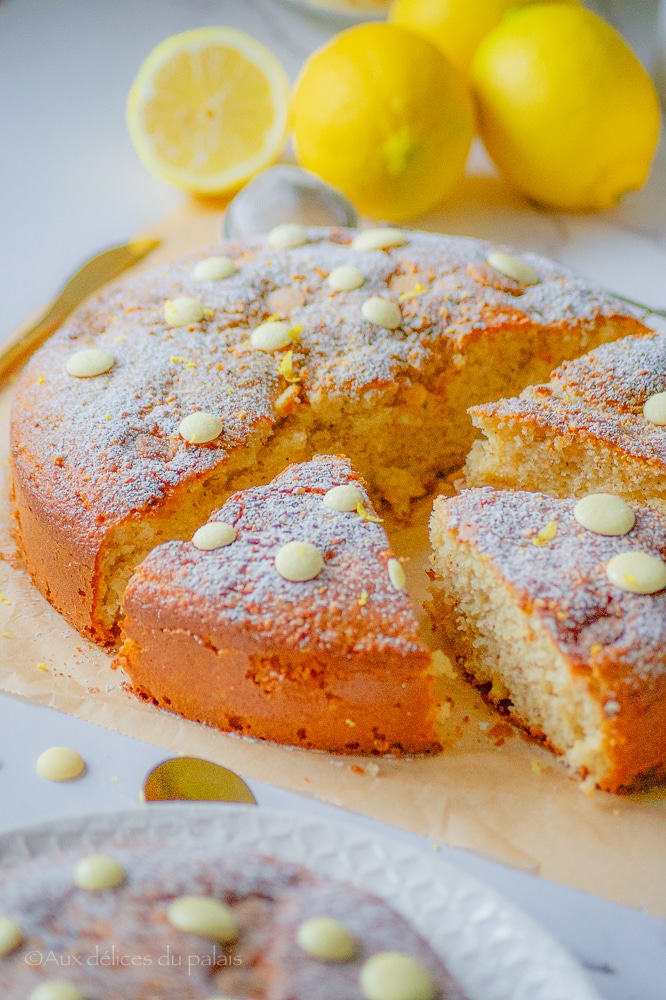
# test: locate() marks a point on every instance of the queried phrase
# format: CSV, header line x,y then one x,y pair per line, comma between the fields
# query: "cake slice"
x,y
296,629
523,595
585,431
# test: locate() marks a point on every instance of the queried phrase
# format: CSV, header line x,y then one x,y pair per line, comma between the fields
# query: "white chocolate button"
x,y
214,535
519,270
382,312
183,311
287,236
346,497
346,278
10,936
90,362
654,409
299,561
397,574
205,916
200,427
604,514
637,572
379,239
327,939
271,335
98,872
390,975
60,764
56,989
214,269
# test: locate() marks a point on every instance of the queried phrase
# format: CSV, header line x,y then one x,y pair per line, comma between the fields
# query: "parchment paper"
x,y
490,791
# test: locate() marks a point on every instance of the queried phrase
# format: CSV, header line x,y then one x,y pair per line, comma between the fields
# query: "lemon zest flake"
x,y
546,534
366,515
3,599
286,368
42,666
295,332
363,599
418,289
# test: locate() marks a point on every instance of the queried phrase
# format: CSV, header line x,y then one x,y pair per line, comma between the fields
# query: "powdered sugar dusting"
x,y
102,448
600,395
350,604
564,581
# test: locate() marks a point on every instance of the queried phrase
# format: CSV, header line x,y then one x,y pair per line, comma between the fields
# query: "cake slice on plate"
x,y
599,424
286,618
557,611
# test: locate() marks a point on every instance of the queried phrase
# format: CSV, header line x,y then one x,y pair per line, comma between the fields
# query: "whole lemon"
x,y
455,26
565,108
381,114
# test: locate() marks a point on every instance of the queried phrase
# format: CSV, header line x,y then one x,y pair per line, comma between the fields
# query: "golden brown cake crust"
x,y
333,663
597,399
95,454
613,641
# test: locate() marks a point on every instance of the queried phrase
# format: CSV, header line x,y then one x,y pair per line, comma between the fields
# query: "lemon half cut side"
x,y
209,109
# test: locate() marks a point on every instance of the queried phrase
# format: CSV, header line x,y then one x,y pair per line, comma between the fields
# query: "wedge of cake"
x,y
598,425
561,626
161,397
286,618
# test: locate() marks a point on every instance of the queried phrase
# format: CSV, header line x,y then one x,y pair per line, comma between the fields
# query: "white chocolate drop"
x,y
214,535
346,278
343,498
60,764
396,574
604,514
654,409
326,939
98,872
637,572
382,312
391,975
514,268
299,561
89,363
271,335
200,427
56,989
379,239
287,236
214,269
204,916
10,936
183,311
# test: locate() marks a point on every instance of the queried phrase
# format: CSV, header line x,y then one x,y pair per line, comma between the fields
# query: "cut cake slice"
x,y
522,595
332,662
583,432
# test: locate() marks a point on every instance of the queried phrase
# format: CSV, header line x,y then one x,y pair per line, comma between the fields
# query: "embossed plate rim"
x,y
496,951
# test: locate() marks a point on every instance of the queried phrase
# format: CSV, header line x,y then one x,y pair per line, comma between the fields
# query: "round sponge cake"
x,y
104,468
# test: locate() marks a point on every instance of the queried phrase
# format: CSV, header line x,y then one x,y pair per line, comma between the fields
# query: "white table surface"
x,y
70,184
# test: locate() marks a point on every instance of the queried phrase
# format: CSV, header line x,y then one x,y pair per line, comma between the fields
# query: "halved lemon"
x,y
208,109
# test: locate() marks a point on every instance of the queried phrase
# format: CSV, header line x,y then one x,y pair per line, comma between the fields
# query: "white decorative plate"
x,y
495,951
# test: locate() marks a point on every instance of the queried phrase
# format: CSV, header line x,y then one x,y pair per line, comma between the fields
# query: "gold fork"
x,y
96,272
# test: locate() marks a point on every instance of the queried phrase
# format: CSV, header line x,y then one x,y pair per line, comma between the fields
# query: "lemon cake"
x,y
163,395
194,921
599,424
286,618
557,611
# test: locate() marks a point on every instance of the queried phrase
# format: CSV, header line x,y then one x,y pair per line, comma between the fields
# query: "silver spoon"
x,y
285,193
